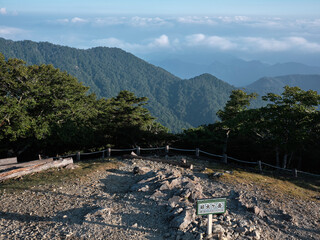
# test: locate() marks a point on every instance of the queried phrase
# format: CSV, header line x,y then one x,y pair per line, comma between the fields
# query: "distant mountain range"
x,y
175,102
276,84
235,71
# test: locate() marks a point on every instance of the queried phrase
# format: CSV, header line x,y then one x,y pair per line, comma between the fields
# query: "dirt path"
x,y
117,204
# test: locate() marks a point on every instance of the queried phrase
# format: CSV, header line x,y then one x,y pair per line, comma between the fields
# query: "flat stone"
x,y
141,170
183,220
257,211
174,201
217,228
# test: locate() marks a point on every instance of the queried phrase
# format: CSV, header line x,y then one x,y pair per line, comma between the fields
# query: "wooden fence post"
x,y
138,151
102,154
197,152
295,172
109,152
78,156
260,166
167,151
225,158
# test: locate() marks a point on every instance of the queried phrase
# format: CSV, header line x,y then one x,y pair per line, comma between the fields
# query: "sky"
x,y
267,30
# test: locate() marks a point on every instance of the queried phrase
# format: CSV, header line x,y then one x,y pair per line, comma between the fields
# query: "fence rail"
x,y
197,151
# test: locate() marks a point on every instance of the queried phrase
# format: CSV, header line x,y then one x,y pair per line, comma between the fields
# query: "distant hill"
x,y
233,70
175,102
276,84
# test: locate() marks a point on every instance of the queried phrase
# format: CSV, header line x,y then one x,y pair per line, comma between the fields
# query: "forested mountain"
x,y
276,84
176,103
235,71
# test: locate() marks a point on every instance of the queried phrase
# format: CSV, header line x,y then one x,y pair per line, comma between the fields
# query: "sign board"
x,y
211,206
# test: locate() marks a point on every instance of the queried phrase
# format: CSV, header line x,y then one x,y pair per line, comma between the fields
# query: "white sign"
x,y
211,206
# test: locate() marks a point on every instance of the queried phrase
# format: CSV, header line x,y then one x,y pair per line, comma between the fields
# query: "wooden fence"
x,y
197,152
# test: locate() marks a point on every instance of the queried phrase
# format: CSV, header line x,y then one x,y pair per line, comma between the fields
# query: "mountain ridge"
x,y
109,70
275,84
235,71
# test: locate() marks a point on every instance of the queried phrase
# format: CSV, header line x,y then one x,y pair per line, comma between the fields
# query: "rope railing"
x,y
85,154
210,154
311,174
197,151
269,165
123,150
182,150
152,149
241,161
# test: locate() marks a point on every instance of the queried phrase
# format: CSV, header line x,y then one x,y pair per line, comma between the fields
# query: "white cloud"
x,y
234,19
279,45
196,20
78,20
210,41
262,44
108,21
252,44
9,31
3,11
143,21
64,20
162,41
151,45
195,39
304,44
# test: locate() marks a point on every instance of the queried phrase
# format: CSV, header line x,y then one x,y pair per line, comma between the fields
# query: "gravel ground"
x,y
104,207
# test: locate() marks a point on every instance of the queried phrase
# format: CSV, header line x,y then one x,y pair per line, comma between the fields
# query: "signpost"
x,y
209,207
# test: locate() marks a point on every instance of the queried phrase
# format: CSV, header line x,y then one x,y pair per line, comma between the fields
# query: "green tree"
x,y
41,105
128,118
234,114
288,120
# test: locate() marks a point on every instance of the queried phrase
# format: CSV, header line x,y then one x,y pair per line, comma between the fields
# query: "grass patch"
x,y
272,184
56,176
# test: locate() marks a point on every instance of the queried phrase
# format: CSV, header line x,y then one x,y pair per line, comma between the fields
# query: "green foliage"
x,y
238,102
45,110
176,103
284,132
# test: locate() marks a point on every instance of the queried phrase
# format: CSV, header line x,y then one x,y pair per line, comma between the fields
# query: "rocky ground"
x,y
152,200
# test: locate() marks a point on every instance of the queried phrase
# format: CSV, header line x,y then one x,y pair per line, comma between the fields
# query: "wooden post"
x,y
102,154
167,151
295,172
260,166
109,152
225,158
197,152
209,229
138,151
78,156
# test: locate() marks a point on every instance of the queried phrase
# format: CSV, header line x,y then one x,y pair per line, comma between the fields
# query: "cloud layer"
x,y
141,34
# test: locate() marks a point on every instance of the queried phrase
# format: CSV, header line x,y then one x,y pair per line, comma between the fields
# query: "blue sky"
x,y
166,6
266,30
